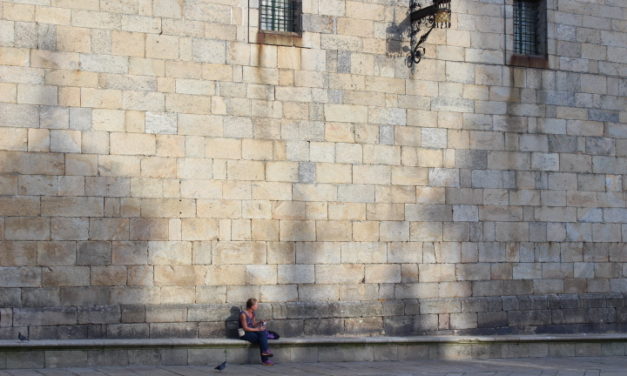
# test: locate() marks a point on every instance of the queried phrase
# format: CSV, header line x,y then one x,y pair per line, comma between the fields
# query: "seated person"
x,y
255,331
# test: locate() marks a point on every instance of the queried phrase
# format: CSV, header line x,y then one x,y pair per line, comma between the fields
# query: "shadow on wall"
x,y
397,36
231,323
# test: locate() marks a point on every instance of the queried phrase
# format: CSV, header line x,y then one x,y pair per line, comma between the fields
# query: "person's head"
x,y
251,304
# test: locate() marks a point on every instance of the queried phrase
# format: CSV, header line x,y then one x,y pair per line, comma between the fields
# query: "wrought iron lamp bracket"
x,y
435,15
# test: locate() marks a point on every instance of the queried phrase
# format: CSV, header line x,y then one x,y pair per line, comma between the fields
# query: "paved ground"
x,y
606,366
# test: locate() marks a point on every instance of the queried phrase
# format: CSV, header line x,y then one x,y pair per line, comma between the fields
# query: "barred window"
x,y
280,15
529,27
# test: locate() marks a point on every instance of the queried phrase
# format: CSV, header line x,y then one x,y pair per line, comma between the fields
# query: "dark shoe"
x,y
267,363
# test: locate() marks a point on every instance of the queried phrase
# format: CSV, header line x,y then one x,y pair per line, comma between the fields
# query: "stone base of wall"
x,y
594,313
82,353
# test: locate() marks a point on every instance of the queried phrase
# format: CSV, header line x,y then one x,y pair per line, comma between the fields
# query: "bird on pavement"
x,y
221,366
21,337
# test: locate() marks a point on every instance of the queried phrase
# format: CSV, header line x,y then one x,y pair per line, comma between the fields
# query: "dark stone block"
x,y
306,172
217,329
324,327
99,314
558,98
279,311
6,317
44,316
505,330
41,297
553,301
601,315
216,312
394,308
94,253
359,309
569,301
228,312
539,302
10,297
96,331
510,303
412,307
133,313
287,328
440,306
128,331
568,316
475,230
306,310
529,318
174,330
562,144
364,326
596,252
621,314
563,329
600,146
495,304
477,304
603,115
318,23
167,313
84,296
492,319
398,325
590,300
532,302
568,81
12,332
72,332
425,323
517,287
616,300
472,159
343,62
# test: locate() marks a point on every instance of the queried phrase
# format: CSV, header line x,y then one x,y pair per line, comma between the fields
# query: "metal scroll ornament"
x,y
428,18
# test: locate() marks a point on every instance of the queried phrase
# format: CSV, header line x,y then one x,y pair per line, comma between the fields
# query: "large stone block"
x,y
72,206
296,274
383,273
346,273
27,228
167,253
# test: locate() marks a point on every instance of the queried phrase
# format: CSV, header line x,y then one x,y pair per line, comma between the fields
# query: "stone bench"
x,y
123,352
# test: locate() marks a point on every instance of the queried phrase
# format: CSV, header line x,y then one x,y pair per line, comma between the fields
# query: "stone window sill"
x,y
529,61
279,38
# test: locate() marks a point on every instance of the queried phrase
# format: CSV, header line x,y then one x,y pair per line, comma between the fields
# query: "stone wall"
x,y
161,161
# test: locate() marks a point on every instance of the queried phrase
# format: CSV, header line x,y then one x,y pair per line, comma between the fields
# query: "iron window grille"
x,y
529,27
280,15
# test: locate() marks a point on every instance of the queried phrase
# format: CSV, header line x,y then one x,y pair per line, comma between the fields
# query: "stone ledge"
x,y
304,341
202,352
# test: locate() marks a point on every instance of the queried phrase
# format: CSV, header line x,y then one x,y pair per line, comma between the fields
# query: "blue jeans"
x,y
258,337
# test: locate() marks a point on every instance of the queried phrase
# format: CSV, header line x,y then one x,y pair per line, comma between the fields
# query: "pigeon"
x,y
221,366
21,337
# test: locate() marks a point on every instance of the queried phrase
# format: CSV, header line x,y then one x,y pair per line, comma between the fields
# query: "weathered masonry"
x,y
163,160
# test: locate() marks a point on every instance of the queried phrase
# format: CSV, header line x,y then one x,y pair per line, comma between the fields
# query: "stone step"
x,y
123,352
